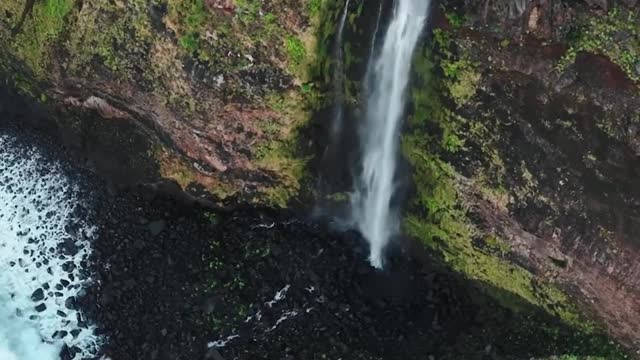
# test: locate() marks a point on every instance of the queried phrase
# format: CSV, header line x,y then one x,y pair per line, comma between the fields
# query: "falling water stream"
x,y
374,39
45,241
338,82
372,210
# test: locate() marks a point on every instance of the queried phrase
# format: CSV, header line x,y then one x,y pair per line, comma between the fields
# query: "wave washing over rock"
x,y
44,244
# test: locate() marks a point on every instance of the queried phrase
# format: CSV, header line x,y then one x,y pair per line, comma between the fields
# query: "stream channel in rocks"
x,y
92,272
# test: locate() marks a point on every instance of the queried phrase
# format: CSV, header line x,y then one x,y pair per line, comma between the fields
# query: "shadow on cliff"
x,y
116,150
180,277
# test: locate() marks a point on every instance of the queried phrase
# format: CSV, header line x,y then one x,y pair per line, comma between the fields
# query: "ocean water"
x,y
45,240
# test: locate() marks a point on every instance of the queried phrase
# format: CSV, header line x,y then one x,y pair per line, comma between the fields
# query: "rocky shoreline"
x,y
173,279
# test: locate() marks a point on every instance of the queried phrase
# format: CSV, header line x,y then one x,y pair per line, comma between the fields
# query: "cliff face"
x,y
217,90
524,139
523,133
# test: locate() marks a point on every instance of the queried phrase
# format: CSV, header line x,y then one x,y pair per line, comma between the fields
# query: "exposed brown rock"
x,y
602,72
223,5
104,108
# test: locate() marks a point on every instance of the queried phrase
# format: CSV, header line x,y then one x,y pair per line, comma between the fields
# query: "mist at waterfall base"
x,y
372,209
44,243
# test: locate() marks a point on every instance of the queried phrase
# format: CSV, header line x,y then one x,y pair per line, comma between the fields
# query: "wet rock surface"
x,y
263,284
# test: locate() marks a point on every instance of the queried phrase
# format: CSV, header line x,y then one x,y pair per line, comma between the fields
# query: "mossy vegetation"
x,y
325,19
280,155
439,214
295,50
192,56
615,35
174,167
32,43
115,36
121,36
252,31
461,74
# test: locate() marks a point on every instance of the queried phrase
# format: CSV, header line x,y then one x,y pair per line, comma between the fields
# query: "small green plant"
x,y
248,10
211,217
497,244
58,8
456,20
190,41
196,15
461,73
314,7
295,50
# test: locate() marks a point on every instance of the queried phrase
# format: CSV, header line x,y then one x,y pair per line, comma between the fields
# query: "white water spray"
x,y
374,188
38,281
374,39
19,340
338,81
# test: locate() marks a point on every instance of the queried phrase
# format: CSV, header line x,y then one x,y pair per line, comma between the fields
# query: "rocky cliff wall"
x,y
524,143
219,90
522,136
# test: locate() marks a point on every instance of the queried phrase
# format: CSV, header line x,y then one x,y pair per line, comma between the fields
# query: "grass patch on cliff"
x,y
39,34
615,35
314,6
117,37
439,219
206,33
188,19
281,155
461,74
296,50
439,216
326,15
175,167
309,59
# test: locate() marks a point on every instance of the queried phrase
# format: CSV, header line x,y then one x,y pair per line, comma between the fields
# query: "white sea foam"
x,y
38,214
20,340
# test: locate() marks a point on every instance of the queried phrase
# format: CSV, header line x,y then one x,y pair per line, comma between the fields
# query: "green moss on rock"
x,y
190,58
439,213
33,41
460,72
615,35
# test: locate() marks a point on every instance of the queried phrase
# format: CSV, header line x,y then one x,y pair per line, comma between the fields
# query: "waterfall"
x,y
338,81
368,75
372,211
